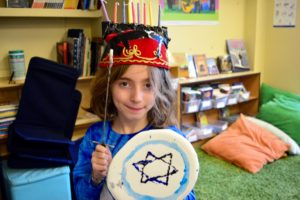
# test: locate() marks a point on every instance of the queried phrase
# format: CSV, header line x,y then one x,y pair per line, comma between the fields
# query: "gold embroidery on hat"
x,y
129,54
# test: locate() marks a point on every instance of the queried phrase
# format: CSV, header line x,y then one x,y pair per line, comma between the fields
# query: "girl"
x,y
140,98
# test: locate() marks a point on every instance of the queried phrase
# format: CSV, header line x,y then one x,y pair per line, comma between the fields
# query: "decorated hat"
x,y
134,43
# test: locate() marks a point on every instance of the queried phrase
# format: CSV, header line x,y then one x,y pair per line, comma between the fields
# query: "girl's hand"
x,y
101,159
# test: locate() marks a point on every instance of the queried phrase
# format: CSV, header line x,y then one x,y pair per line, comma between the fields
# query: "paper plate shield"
x,y
155,164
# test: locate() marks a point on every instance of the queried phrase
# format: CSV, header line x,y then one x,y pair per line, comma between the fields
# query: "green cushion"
x,y
268,92
284,113
287,102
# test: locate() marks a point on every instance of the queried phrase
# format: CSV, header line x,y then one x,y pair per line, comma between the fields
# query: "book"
x,y
97,47
84,4
94,4
224,64
212,66
60,52
38,4
201,119
71,4
7,120
86,57
75,39
191,66
58,4
8,107
65,53
8,114
17,3
201,65
72,51
4,124
238,54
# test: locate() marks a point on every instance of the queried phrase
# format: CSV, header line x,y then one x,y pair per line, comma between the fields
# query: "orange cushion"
x,y
247,145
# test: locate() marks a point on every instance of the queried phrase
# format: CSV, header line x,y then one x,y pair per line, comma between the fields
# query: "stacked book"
x,y
48,4
60,4
80,52
7,116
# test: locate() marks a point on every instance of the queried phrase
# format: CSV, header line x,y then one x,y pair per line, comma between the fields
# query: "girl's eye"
x,y
124,84
148,85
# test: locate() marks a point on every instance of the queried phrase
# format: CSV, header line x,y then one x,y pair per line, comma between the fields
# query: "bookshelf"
x,y
36,31
251,81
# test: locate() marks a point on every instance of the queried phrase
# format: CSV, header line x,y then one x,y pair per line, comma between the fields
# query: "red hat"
x,y
135,44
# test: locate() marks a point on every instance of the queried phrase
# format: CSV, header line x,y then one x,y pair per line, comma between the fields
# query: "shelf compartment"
x,y
251,81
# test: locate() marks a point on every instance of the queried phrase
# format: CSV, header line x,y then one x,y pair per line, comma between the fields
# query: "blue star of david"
x,y
162,165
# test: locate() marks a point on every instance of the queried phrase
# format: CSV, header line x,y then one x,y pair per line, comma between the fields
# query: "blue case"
x,y
42,131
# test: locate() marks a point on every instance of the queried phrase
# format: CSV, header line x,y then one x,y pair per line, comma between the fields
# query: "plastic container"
x,y
206,104
232,99
17,64
220,102
219,126
193,132
191,106
244,96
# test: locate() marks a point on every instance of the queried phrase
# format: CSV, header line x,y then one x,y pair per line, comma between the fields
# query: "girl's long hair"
x,y
163,112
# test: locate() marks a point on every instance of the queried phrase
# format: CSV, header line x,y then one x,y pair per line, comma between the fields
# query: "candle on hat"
x,y
138,12
124,14
145,15
150,13
159,13
133,12
115,11
104,10
129,12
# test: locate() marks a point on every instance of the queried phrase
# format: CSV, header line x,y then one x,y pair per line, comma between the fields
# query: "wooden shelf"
x,y
5,85
43,12
217,77
3,147
83,78
84,121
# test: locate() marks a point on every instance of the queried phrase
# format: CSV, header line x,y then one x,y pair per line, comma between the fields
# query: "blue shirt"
x,y
85,189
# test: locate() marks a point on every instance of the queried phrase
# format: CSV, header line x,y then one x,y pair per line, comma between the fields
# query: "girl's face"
x,y
133,95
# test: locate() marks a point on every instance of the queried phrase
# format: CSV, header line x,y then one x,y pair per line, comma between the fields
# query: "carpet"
x,y
220,180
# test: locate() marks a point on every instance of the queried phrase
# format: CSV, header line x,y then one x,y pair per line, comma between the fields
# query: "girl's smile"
x,y
133,95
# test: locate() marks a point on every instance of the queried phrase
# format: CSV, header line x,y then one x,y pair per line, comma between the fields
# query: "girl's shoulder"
x,y
171,127
176,129
96,128
96,125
